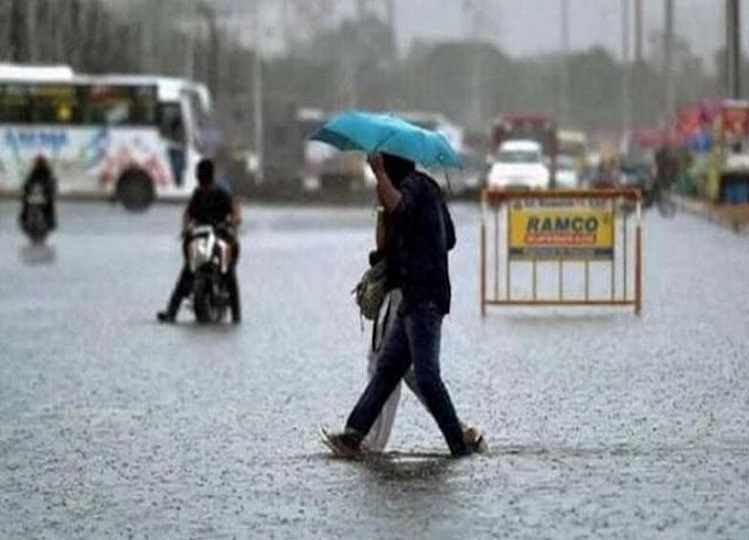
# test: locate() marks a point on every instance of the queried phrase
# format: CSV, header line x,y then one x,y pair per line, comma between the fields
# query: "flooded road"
x,y
600,424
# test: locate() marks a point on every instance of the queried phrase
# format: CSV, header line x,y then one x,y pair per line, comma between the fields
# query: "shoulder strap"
x,y
450,239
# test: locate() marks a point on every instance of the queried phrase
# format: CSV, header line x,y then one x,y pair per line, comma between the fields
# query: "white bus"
x,y
131,138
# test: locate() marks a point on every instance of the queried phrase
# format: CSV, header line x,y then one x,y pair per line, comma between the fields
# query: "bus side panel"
x,y
140,148
87,160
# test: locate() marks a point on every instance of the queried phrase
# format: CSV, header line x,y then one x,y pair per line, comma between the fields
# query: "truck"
x,y
534,127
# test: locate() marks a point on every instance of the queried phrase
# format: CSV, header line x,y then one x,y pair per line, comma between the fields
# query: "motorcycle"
x,y
209,257
34,220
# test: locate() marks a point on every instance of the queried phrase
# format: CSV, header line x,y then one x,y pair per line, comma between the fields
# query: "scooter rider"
x,y
209,205
41,175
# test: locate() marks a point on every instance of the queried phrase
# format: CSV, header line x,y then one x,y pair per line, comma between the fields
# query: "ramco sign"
x,y
579,231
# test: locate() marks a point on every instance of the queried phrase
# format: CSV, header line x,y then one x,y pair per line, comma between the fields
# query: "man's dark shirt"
x,y
210,207
424,233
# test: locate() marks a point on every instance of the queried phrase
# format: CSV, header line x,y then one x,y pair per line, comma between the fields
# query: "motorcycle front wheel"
x,y
207,305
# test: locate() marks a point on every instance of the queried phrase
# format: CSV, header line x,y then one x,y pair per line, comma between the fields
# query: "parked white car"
x,y
519,164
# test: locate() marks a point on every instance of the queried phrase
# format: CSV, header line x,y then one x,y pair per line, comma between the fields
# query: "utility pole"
x,y
286,27
15,41
353,58
638,31
257,91
390,15
473,14
6,38
190,53
61,16
638,65
31,32
208,12
564,93
668,60
733,49
626,69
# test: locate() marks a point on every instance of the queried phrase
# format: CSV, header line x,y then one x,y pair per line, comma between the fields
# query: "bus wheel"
x,y
135,190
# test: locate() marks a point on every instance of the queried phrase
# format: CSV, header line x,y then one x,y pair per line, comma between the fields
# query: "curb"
x,y
699,209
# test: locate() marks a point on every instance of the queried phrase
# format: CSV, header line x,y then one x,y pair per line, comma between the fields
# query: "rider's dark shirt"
x,y
424,233
210,207
43,177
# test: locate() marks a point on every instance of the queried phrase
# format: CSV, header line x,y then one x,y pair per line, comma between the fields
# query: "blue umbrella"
x,y
370,132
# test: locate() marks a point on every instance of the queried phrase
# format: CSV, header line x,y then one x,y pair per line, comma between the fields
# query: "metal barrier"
x,y
585,233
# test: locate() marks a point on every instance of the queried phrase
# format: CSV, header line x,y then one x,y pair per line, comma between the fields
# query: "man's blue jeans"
x,y
413,338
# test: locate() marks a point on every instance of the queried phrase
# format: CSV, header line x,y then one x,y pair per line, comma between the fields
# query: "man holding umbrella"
x,y
418,263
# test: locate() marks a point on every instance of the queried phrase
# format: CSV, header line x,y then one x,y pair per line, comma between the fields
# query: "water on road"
x,y
601,424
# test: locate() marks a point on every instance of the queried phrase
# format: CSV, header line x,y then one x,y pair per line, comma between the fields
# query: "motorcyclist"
x,y
41,175
209,205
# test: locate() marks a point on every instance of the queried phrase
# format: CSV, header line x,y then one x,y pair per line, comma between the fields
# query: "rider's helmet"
x,y
40,172
205,172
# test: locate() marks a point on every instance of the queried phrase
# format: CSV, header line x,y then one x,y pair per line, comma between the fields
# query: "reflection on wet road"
x,y
600,424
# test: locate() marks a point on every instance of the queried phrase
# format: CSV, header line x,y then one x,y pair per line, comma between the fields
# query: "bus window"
x,y
120,105
108,105
145,105
15,104
54,104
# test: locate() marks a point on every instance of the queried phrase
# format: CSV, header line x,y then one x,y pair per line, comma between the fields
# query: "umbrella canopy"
x,y
371,132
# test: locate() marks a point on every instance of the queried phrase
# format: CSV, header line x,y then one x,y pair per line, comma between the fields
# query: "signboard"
x,y
735,118
689,122
547,229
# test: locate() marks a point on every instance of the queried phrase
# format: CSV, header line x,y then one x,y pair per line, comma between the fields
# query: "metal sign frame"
x,y
495,202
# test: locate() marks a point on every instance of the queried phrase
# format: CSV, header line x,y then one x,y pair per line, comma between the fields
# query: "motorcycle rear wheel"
x,y
35,225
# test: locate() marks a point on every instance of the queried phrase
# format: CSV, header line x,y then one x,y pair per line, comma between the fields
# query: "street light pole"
x,y
474,13
733,49
626,69
257,92
638,32
390,15
668,45
31,35
191,29
208,12
637,66
564,95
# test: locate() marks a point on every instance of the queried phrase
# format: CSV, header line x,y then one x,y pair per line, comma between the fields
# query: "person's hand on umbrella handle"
x,y
376,163
387,194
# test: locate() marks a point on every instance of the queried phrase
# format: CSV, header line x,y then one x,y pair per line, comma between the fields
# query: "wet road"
x,y
600,425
